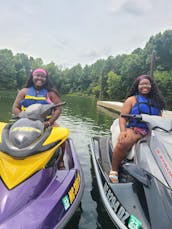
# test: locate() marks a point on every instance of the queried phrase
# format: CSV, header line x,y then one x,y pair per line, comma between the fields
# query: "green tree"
x,y
114,86
36,63
162,44
164,82
23,69
7,70
54,74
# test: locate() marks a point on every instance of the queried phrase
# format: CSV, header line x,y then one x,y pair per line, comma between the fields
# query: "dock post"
x,y
152,63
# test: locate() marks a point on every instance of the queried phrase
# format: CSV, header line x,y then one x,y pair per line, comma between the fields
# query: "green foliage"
x,y
36,63
164,82
22,66
114,85
54,73
162,44
110,78
7,70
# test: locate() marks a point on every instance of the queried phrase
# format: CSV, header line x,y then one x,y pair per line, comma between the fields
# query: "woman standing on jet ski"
x,y
143,98
39,90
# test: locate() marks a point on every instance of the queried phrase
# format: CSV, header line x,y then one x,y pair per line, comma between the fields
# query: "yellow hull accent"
x,y
13,171
57,133
2,125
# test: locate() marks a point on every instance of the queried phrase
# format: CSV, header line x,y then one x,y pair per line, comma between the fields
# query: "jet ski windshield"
x,y
25,132
25,137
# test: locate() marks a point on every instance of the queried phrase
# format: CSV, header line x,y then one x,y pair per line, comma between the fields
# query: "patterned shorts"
x,y
141,131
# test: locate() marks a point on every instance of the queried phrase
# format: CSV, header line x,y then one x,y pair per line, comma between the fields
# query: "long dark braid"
x,y
154,93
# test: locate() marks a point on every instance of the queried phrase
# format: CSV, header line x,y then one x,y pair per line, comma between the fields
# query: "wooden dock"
x,y
116,107
113,106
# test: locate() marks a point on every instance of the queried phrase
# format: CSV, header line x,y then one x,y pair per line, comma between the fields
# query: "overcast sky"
x,y
69,32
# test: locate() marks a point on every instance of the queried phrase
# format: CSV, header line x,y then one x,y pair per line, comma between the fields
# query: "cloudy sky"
x,y
69,32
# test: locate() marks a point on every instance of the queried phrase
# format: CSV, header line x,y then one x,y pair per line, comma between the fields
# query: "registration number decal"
x,y
134,223
68,199
119,210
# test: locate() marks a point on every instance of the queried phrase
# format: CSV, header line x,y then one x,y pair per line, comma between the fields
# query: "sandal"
x,y
61,165
113,176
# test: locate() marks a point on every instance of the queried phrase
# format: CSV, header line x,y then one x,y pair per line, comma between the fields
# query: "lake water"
x,y
84,120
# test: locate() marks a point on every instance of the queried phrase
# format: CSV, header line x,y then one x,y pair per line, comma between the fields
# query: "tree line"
x,y
109,78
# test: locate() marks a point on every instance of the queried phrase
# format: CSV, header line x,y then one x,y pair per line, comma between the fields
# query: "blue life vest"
x,y
143,106
34,96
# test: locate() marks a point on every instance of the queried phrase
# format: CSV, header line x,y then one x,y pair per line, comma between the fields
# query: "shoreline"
x,y
116,107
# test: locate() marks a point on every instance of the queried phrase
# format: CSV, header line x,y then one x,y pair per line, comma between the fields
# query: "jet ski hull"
x,y
143,196
47,199
122,205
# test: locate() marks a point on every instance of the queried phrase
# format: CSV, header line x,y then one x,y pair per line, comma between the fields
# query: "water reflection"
x,y
85,123
6,109
85,109
74,222
107,112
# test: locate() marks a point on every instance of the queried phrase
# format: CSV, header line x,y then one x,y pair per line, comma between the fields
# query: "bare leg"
x,y
61,161
122,149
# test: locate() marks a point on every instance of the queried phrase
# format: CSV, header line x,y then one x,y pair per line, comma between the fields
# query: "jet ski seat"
x,y
115,131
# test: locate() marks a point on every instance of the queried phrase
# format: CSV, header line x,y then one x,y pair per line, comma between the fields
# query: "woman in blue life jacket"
x,y
39,89
143,98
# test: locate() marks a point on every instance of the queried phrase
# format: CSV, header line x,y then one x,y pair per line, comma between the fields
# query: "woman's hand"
x,y
16,105
122,136
47,124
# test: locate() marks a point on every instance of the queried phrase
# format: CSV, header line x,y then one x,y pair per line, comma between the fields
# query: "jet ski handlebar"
x,y
154,122
38,111
132,116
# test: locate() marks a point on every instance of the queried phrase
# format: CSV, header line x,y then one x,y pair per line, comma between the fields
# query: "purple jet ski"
x,y
34,192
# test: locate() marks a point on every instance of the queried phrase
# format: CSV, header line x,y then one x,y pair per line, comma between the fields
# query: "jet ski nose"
x,y
22,133
18,140
22,139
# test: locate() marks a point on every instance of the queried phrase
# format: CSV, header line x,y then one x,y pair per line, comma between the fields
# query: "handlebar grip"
x,y
132,116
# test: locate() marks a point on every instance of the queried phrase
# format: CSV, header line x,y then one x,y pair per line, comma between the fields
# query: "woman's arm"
x,y
55,99
127,106
16,109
